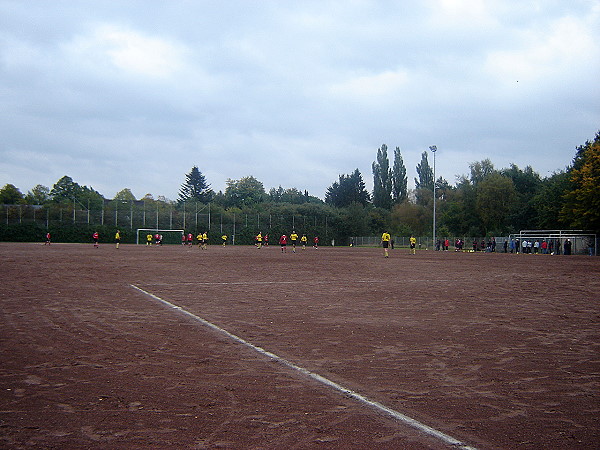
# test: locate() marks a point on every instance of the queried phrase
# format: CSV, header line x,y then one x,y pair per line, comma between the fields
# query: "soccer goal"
x,y
580,242
168,236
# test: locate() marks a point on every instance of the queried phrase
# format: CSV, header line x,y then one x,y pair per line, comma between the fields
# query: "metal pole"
x,y
433,148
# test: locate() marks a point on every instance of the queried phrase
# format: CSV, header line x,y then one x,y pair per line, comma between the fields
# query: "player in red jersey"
x,y
283,243
96,238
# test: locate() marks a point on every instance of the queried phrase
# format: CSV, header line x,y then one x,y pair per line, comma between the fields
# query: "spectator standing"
x,y
568,247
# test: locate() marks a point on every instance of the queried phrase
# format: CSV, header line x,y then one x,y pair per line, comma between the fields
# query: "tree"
x,y
399,179
459,214
549,201
244,192
276,195
382,180
495,199
412,218
442,187
195,187
354,221
90,198
10,195
349,189
480,170
65,190
39,195
527,182
290,195
425,181
582,201
125,195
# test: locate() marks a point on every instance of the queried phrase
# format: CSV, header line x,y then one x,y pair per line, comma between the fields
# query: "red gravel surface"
x,y
493,350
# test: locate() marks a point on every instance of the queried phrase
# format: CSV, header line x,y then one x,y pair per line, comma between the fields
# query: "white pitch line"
x,y
256,283
327,382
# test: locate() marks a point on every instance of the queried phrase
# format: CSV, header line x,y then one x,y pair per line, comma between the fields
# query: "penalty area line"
x,y
426,429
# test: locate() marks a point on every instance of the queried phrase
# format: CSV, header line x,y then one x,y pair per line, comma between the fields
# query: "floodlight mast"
x,y
433,149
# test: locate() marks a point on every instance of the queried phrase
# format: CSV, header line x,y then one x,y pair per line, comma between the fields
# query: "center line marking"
x,y
327,382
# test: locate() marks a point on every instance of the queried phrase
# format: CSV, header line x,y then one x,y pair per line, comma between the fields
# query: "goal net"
x,y
168,236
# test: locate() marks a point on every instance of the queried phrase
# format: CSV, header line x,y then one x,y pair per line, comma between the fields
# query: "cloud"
x,y
372,89
128,51
558,50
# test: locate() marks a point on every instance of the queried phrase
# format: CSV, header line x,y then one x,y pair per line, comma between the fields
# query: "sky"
x,y
133,94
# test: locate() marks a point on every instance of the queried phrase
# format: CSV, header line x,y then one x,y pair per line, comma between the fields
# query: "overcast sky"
x,y
133,94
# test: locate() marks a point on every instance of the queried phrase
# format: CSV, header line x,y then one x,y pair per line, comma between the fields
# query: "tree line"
x,y
485,202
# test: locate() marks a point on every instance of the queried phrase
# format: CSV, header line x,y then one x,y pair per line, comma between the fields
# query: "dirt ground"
x,y
494,350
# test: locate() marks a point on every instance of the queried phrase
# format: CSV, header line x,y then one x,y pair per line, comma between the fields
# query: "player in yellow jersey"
x,y
294,239
385,242
118,238
224,239
148,240
303,241
413,245
259,239
204,240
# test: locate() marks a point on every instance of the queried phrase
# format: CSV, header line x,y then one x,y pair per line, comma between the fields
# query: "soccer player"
x,y
259,239
47,239
204,240
190,239
96,238
385,243
148,240
293,238
316,242
224,239
413,245
117,238
303,240
283,243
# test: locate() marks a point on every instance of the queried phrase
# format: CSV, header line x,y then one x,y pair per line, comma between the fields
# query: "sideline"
x,y
348,392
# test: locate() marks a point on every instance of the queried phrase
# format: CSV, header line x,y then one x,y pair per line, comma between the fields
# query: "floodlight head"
x,y
433,148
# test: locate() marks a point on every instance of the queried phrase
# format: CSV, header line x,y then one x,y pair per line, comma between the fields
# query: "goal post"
x,y
168,236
